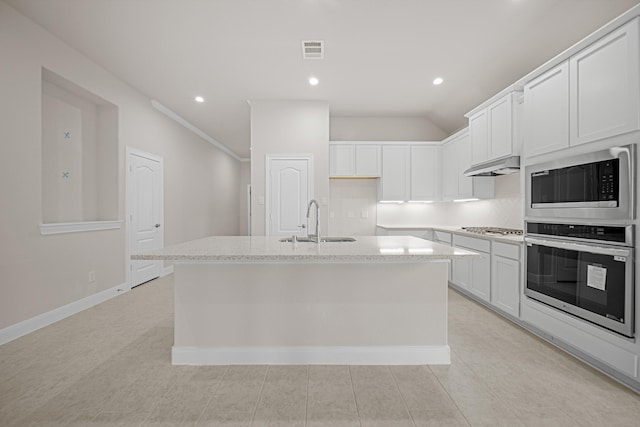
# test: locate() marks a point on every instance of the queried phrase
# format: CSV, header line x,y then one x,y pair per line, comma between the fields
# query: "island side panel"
x,y
311,313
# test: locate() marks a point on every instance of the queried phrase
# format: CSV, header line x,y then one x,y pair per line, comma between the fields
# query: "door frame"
x,y
130,198
267,193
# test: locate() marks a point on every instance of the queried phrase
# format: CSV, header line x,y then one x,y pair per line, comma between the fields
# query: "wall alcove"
x,y
79,158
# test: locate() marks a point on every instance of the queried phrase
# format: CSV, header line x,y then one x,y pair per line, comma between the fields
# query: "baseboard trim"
x,y
25,327
374,355
167,271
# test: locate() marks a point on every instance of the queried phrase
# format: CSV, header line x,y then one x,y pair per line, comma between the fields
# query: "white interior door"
x,y
145,204
289,187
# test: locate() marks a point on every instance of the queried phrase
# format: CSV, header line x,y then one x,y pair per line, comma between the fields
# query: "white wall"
x,y
41,273
245,180
352,207
505,210
384,129
286,127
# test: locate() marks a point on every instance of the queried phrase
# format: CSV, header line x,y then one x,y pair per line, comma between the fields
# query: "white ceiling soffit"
x,y
384,54
312,49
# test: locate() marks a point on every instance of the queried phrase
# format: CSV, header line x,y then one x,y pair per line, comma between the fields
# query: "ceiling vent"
x,y
312,49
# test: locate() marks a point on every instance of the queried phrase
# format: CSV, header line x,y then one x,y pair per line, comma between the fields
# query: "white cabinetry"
x,y
546,112
479,136
493,130
605,87
505,277
354,160
410,172
595,94
394,185
475,274
456,158
425,173
444,238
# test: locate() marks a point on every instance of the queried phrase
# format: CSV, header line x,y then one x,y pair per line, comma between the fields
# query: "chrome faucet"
x,y
314,237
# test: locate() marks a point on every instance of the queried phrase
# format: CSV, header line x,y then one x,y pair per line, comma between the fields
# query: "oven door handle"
x,y
594,249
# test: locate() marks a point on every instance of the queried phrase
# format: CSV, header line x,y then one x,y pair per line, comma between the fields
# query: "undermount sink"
x,y
327,239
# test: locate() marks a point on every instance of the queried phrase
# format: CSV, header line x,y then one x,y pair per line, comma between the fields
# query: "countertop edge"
x,y
456,230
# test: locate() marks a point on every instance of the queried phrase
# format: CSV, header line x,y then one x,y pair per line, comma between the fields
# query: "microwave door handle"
x,y
594,249
628,153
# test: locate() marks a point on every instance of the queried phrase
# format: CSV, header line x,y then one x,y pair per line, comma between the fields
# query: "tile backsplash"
x,y
353,199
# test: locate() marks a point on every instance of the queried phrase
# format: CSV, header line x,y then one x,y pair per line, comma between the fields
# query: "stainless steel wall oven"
x,y
584,270
580,237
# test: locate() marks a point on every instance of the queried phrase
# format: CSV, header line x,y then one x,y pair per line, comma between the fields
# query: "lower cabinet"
x,y
505,277
505,280
473,274
493,276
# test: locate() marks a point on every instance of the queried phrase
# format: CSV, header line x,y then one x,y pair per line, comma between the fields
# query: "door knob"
x,y
302,226
157,226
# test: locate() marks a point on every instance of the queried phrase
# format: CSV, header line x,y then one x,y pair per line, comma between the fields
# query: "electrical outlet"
x,y
332,215
364,214
351,214
92,276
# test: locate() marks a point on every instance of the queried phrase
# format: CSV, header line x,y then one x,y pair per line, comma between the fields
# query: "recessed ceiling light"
x,y
313,81
437,81
199,99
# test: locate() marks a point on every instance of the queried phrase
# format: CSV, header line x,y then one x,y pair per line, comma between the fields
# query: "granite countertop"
x,y
456,230
270,249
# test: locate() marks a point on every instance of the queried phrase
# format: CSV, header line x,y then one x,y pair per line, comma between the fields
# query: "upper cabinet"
x,y
410,172
354,160
546,112
604,91
493,129
595,94
425,173
456,158
396,175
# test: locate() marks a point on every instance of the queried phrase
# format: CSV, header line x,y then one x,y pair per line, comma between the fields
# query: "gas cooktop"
x,y
494,230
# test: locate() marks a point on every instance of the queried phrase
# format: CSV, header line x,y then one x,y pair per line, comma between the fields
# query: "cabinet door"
x,y
480,282
461,272
367,160
463,153
395,173
546,112
605,86
341,160
501,128
449,171
425,173
505,284
479,137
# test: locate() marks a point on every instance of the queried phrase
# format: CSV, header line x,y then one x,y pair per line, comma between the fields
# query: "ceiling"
x,y
381,56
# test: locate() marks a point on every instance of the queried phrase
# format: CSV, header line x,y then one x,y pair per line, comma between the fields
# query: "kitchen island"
x,y
257,300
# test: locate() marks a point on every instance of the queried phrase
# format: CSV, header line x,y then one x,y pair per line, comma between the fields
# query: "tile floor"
x,y
110,366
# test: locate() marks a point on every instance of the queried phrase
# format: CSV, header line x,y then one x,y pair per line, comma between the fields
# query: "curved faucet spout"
x,y
316,237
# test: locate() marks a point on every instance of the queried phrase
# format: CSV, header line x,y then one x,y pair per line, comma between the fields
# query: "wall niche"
x,y
79,158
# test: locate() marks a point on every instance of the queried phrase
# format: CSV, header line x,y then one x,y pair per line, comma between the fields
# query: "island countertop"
x,y
239,249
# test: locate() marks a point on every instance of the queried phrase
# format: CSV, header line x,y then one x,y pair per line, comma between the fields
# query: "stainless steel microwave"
x,y
597,185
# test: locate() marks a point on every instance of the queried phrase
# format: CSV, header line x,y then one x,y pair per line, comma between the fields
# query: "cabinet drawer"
x,y
442,237
506,250
481,245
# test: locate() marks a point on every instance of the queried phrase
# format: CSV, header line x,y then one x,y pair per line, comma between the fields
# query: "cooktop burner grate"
x,y
494,230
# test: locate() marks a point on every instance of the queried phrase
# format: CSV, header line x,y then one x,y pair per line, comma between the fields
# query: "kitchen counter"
x,y
455,230
256,300
371,249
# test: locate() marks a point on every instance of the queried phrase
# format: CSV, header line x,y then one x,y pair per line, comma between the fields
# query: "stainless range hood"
x,y
495,167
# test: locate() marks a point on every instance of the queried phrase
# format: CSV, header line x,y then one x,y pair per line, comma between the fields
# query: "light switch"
x,y
261,200
324,201
364,214
351,214
332,215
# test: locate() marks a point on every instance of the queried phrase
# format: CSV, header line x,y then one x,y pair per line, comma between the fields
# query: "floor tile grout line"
x,y
404,401
204,409
353,391
255,408
450,397
306,400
